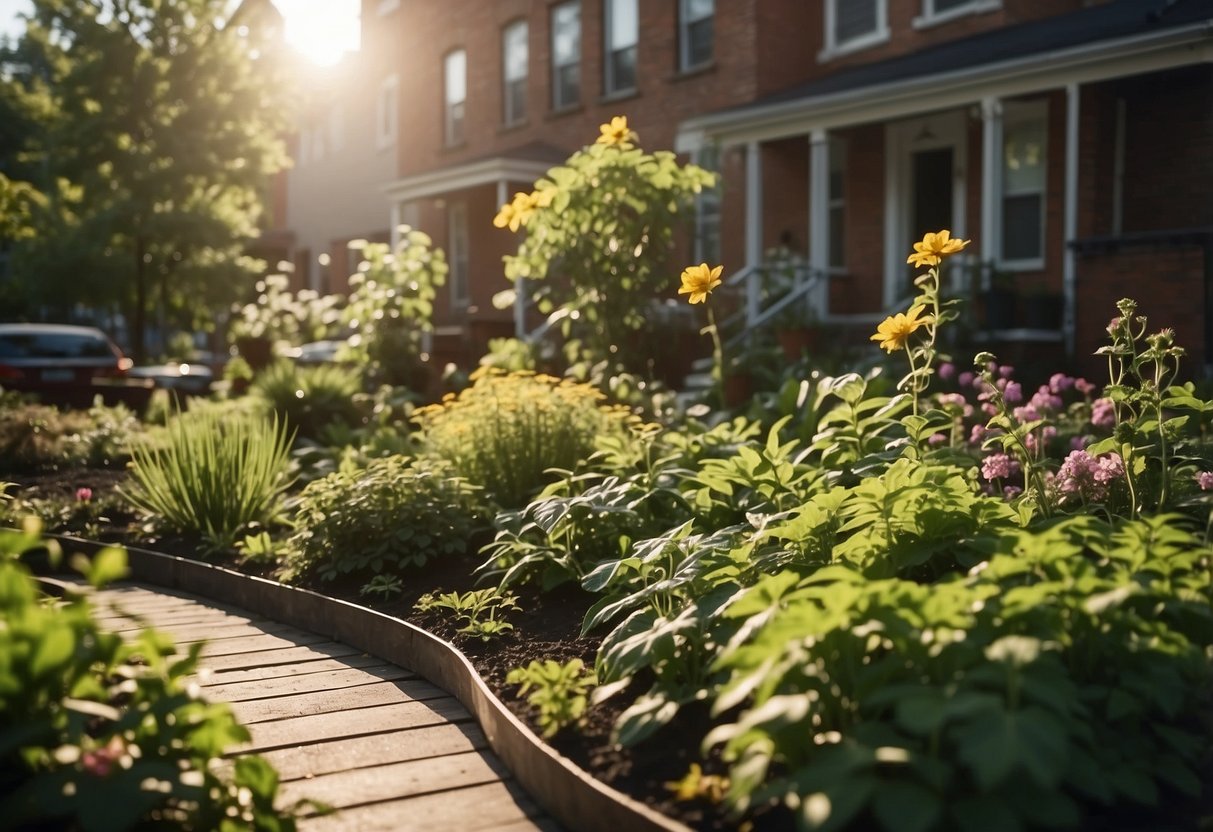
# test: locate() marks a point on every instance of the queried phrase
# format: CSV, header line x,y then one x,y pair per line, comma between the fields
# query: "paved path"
x,y
386,748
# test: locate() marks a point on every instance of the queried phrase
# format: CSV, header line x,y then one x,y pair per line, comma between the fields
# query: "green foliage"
x,y
557,690
286,318
390,305
505,431
100,734
34,436
476,611
395,513
309,399
509,354
385,586
209,474
599,233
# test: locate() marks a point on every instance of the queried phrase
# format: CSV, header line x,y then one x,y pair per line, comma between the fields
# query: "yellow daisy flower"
x,y
699,281
895,330
934,246
516,212
616,131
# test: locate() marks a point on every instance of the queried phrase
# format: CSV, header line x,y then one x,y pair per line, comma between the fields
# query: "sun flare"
x,y
321,36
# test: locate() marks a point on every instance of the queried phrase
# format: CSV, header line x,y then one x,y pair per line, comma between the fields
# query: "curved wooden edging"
x,y
570,795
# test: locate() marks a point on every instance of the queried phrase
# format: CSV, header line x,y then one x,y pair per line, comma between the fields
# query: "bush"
x,y
507,429
309,399
211,474
395,513
36,436
98,733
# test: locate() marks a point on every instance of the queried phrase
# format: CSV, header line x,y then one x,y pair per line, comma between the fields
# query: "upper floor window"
x,y
386,112
941,11
1022,204
695,32
622,34
566,54
514,72
854,24
455,83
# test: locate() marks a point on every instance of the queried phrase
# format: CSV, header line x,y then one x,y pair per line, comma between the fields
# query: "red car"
x,y
61,364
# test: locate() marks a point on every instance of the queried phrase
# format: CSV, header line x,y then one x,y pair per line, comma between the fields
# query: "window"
x,y
458,250
837,258
941,11
622,33
566,55
385,113
707,209
854,24
695,32
514,72
1023,184
455,82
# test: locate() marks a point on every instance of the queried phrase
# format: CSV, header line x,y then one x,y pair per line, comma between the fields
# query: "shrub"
x,y
98,733
211,474
36,436
507,429
395,513
309,399
285,318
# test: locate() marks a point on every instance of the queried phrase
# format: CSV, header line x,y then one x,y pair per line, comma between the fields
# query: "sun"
x,y
321,32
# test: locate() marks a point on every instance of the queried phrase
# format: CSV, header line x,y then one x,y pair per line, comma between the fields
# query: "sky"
x,y
321,29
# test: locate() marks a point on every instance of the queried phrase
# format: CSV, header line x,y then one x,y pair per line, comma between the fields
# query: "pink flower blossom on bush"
x,y
965,379
999,466
83,495
1013,392
1026,413
1088,477
1011,491
1006,371
1103,413
1060,382
937,439
101,761
1083,386
1205,480
1037,440
1046,399
946,370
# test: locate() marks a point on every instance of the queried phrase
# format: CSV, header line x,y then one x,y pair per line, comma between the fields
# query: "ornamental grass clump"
x,y
310,399
211,474
507,430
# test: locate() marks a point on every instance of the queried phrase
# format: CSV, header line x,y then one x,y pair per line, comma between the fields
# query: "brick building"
x,y
1072,140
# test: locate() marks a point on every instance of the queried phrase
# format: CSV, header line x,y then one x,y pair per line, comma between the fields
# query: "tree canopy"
x,y
152,127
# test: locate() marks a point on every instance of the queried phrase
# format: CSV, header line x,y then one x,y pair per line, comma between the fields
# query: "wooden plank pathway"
x,y
387,749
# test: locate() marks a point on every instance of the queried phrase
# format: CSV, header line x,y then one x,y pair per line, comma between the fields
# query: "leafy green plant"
x,y
477,611
210,475
395,513
507,430
385,586
98,733
309,399
35,436
284,317
558,691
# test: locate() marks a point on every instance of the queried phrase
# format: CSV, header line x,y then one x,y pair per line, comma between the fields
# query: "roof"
x,y
523,163
1038,42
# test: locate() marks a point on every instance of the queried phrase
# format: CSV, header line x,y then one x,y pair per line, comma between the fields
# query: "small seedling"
x,y
477,611
558,690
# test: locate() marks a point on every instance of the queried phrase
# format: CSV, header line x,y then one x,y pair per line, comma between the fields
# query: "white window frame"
x,y
556,102
833,49
387,112
610,85
457,243
1014,113
684,36
454,101
508,116
930,17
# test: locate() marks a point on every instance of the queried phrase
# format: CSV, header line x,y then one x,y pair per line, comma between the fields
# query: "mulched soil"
x,y
545,627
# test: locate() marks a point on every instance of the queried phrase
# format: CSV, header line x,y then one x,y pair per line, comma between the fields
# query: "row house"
x,y
1071,140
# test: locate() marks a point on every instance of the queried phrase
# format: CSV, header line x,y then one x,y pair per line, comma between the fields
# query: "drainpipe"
x,y
819,217
1069,264
753,231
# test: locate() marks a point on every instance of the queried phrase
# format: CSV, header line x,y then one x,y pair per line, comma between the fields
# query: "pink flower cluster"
x,y
1103,413
83,494
999,467
101,761
1205,480
1087,476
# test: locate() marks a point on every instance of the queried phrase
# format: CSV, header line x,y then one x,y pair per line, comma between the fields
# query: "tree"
x,y
167,118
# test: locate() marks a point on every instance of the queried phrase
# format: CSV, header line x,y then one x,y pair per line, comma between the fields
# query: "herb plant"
x,y
477,611
558,691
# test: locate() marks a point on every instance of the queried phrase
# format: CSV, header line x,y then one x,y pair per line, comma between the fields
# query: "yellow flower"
x,y
699,281
895,330
616,132
934,247
516,212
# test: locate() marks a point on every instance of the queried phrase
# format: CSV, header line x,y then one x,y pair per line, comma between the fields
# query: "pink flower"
x,y
1103,413
937,439
1088,477
1027,413
977,434
1013,393
1205,480
999,467
1039,439
83,495
1010,492
946,370
1006,370
1046,399
965,379
1060,382
1083,386
1077,443
101,761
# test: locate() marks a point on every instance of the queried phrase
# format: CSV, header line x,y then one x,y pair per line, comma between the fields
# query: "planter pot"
x,y
796,342
999,307
570,795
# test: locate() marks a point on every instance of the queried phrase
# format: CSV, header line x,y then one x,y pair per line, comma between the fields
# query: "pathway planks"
x,y
386,749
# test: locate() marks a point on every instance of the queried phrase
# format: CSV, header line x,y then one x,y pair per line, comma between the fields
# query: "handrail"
x,y
805,280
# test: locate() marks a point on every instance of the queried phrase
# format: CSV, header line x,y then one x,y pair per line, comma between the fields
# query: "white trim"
x,y
819,216
1140,54
753,224
394,231
991,174
471,175
387,112
930,18
1070,220
831,49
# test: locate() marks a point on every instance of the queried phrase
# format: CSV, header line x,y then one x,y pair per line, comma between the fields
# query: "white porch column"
x,y
394,229
1070,208
991,180
753,227
503,196
819,218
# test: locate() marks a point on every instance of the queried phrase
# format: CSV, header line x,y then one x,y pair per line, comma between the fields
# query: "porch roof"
x,y
524,163
1116,39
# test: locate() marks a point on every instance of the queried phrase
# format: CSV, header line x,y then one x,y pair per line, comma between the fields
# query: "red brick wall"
x,y
861,288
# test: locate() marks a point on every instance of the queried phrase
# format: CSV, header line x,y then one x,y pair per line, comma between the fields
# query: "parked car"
x,y
66,365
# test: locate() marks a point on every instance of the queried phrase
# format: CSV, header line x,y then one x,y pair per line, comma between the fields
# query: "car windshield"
x,y
53,345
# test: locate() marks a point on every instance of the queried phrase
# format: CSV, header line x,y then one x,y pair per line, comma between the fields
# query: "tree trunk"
x,y
138,320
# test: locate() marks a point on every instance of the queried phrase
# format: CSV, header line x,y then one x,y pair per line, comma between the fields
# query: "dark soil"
x,y
546,626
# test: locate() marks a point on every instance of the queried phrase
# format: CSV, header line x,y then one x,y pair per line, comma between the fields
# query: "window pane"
x,y
568,82
837,237
1022,227
515,101
1023,157
456,77
948,5
699,42
623,25
516,52
622,75
566,34
853,18
693,10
